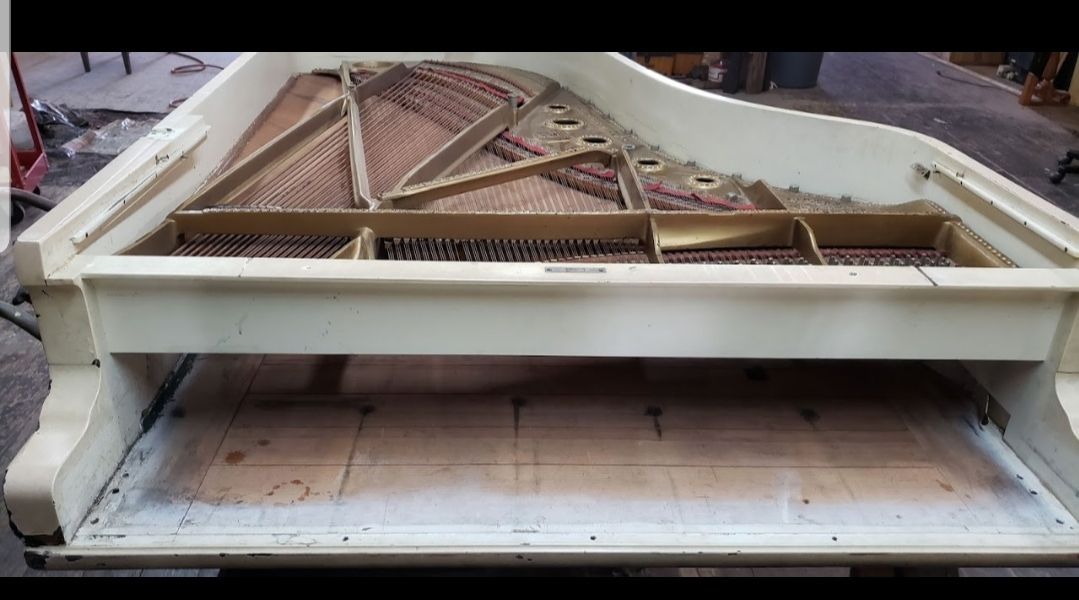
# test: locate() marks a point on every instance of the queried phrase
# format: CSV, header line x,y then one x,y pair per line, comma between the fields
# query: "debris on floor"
x,y
46,113
80,142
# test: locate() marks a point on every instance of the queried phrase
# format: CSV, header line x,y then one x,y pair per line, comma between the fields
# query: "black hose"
x,y
23,319
32,199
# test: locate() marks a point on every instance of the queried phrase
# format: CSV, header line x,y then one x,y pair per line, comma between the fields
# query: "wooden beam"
x,y
361,189
463,145
651,243
539,100
805,241
351,223
361,194
380,83
362,246
755,72
278,149
413,196
345,74
368,244
628,182
474,137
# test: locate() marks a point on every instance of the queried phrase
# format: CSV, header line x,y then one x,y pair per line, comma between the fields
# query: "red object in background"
x,y
28,167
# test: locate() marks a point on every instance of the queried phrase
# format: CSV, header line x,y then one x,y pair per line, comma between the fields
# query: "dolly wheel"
x,y
17,213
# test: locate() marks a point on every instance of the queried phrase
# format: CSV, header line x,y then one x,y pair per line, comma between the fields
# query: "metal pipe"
x,y
35,200
23,319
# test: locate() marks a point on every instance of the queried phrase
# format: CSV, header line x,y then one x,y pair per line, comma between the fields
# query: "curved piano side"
x,y
90,418
1042,400
93,411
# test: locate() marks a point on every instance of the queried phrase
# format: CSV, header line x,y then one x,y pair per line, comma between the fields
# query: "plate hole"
x,y
565,123
649,164
595,140
557,108
704,181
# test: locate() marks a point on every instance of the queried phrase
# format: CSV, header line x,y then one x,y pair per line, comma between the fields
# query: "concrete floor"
x,y
906,90
898,89
59,77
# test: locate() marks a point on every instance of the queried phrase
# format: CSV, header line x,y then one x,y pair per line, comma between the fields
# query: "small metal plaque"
x,y
575,269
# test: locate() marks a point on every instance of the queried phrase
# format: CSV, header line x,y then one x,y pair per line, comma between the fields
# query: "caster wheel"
x,y
21,297
17,213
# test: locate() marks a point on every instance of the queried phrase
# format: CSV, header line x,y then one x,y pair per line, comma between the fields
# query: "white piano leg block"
x,y
1042,400
90,418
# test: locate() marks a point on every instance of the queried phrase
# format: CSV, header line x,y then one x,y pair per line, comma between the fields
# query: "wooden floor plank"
x,y
286,446
762,450
269,498
990,482
386,454
166,466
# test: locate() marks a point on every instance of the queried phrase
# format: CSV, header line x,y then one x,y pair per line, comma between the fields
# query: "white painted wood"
x,y
569,549
102,314
29,486
1041,400
631,313
225,107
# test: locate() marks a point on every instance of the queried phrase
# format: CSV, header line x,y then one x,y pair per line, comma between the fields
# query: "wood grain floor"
x,y
384,445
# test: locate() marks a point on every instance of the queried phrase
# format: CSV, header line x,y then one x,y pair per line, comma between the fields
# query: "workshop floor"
x,y
902,89
911,91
